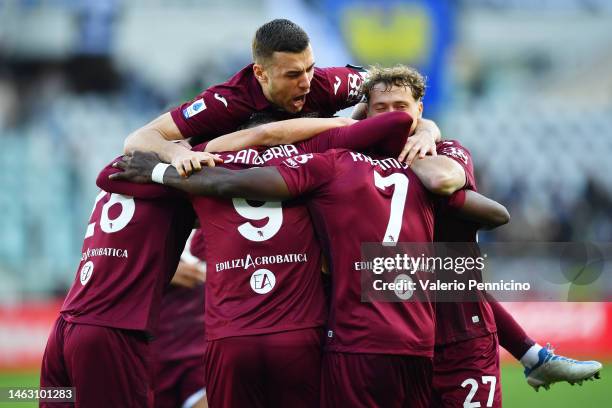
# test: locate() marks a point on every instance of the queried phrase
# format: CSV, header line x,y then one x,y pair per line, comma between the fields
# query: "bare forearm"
x,y
275,133
296,130
480,209
429,126
151,140
156,136
440,174
265,184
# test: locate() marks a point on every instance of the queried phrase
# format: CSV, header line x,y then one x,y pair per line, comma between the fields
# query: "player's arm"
x,y
422,142
275,133
265,183
157,136
143,191
477,208
440,174
385,134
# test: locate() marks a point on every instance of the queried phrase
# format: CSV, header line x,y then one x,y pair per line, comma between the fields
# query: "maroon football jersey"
x,y
222,108
180,333
457,321
263,260
131,249
353,199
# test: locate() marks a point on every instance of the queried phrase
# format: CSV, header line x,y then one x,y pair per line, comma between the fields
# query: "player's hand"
x,y
136,168
422,143
188,276
187,161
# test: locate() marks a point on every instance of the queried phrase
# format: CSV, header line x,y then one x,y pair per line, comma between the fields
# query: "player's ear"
x,y
420,109
260,73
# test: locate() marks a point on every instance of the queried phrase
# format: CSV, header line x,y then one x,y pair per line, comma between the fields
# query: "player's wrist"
x,y
157,174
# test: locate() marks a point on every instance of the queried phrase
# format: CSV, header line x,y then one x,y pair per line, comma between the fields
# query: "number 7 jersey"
x,y
354,199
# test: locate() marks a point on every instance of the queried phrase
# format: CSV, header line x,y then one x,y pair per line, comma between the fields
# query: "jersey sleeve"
x,y
307,173
210,114
386,134
343,85
453,150
197,245
451,203
143,191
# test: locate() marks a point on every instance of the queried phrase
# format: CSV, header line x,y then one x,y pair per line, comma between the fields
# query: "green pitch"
x,y
19,379
516,392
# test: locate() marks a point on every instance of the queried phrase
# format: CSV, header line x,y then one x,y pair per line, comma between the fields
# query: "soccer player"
x,y
120,308
265,302
179,342
466,343
398,330
100,342
283,80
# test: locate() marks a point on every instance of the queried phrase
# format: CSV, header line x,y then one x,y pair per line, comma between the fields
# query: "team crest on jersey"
x,y
297,161
86,272
196,107
455,152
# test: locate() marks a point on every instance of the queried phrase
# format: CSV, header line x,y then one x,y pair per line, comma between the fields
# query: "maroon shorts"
x,y
375,380
269,370
467,372
108,367
178,382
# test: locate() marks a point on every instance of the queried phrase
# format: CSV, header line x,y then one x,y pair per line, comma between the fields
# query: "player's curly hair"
x,y
280,35
399,75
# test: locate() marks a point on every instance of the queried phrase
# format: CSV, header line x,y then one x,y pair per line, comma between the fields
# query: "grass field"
x,y
516,392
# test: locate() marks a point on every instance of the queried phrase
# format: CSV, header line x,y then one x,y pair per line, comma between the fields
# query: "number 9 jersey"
x,y
263,262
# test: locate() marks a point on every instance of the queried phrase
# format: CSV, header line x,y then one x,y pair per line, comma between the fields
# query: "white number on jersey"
x,y
272,210
398,201
128,207
486,379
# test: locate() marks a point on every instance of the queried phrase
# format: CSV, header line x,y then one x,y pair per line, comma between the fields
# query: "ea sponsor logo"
x,y
262,281
86,272
403,290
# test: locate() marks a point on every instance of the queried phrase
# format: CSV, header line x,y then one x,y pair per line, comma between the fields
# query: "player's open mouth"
x,y
299,101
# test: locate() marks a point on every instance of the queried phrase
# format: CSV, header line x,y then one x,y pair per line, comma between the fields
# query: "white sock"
x,y
531,358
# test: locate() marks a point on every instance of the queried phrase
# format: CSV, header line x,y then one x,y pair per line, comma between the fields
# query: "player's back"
x,y
263,261
356,199
130,251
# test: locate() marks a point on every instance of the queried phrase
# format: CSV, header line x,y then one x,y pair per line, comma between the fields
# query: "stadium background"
x,y
525,85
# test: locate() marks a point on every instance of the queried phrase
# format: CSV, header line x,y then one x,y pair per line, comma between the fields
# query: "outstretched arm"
x,y
263,183
475,207
275,133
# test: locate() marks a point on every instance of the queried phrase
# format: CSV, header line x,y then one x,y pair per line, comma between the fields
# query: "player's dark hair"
x,y
278,35
258,118
399,75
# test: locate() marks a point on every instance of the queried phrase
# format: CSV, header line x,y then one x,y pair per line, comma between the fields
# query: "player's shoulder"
x,y
242,88
240,79
337,74
450,145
